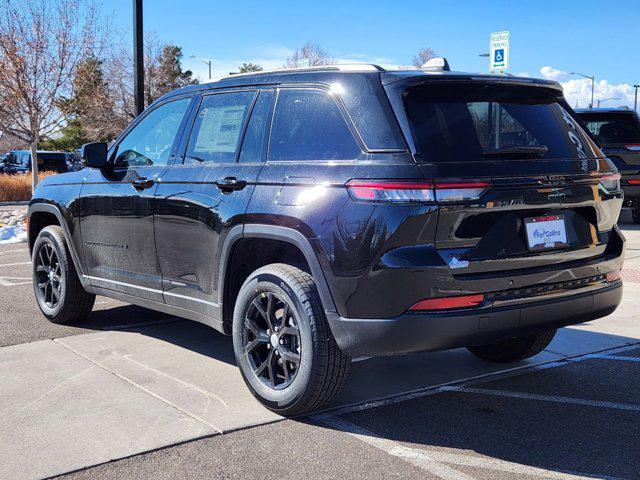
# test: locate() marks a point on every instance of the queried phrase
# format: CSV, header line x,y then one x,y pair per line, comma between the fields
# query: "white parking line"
x,y
8,283
440,463
617,357
544,398
13,251
14,264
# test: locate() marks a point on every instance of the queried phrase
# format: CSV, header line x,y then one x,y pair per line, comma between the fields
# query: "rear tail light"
x,y
460,191
634,182
448,303
389,191
406,191
635,147
611,181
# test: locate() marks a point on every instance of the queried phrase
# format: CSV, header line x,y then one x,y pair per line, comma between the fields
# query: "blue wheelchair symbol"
x,y
498,55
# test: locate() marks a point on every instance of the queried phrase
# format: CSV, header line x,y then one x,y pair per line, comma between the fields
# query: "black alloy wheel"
x,y
49,275
271,340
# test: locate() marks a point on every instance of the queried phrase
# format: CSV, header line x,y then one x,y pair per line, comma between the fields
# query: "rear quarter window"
x,y
308,125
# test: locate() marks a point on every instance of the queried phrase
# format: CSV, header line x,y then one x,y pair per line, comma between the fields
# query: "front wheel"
x,y
58,290
514,349
282,342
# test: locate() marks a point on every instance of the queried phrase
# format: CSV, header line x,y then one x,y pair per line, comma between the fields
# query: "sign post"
x,y
499,51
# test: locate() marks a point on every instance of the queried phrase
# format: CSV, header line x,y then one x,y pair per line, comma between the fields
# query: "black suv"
x,y
19,161
322,213
618,131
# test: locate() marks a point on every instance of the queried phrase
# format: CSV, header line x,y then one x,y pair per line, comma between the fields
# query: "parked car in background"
x,y
3,162
618,132
322,213
19,161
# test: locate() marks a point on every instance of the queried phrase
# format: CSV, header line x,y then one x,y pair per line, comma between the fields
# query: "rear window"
x,y
463,122
613,127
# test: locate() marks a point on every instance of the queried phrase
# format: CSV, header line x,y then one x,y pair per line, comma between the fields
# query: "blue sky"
x,y
592,37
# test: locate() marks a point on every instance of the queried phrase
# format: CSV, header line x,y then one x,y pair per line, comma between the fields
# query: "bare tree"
x,y
311,52
424,54
41,43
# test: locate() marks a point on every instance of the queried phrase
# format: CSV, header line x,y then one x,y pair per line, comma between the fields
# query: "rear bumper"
x,y
416,332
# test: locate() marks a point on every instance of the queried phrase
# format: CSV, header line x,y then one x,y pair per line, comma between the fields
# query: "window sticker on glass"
x,y
220,129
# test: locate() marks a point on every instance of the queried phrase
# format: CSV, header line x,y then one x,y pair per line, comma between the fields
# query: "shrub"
x,y
17,187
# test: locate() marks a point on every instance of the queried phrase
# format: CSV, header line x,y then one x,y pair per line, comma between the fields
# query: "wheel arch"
x,y
41,215
279,234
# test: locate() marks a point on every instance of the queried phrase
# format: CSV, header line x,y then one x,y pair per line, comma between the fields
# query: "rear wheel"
x,y
282,342
635,213
58,290
514,349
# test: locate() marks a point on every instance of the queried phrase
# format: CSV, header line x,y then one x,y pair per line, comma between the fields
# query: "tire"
x,y
515,349
322,367
635,214
73,304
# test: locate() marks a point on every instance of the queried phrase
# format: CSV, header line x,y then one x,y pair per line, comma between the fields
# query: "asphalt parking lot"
x,y
138,394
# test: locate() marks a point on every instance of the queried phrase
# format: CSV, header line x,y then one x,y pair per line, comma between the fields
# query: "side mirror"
x,y
94,155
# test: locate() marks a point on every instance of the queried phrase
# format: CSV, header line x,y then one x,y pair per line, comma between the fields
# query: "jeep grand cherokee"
x,y
322,213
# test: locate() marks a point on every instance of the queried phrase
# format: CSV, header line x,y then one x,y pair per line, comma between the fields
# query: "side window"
x,y
218,127
308,125
151,140
256,135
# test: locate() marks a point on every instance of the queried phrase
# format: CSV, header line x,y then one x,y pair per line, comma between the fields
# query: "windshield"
x,y
466,122
613,127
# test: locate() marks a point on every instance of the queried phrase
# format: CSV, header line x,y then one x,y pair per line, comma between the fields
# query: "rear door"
x,y
206,194
518,181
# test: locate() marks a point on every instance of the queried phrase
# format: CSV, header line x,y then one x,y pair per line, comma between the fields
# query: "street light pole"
x,y
207,62
593,83
635,98
138,57
606,99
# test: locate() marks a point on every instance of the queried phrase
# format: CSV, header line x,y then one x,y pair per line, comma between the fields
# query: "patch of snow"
x,y
13,234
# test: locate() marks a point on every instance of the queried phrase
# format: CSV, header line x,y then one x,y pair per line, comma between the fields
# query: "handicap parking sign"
x,y
499,48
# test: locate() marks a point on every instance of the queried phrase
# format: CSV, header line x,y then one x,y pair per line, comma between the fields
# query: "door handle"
x,y
230,184
142,183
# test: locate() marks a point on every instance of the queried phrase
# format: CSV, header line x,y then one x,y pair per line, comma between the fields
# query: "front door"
x,y
117,204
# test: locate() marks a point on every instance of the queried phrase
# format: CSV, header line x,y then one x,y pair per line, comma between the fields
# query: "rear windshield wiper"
x,y
520,152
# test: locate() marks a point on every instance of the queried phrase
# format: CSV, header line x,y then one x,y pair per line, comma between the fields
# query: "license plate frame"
x,y
546,232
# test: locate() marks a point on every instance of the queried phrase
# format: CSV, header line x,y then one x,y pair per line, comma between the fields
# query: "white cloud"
x,y
551,73
577,90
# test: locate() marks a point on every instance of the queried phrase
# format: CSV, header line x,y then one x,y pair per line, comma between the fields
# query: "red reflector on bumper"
x,y
614,277
448,303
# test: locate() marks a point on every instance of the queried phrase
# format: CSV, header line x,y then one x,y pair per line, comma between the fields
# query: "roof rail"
x,y
345,67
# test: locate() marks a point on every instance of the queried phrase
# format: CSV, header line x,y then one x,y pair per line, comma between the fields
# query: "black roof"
x,y
330,73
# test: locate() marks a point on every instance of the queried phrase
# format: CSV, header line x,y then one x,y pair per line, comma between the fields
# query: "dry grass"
x,y
17,187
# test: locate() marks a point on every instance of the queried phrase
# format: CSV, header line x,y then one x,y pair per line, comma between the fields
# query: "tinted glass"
x,y
613,127
151,140
308,125
218,127
255,136
489,122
